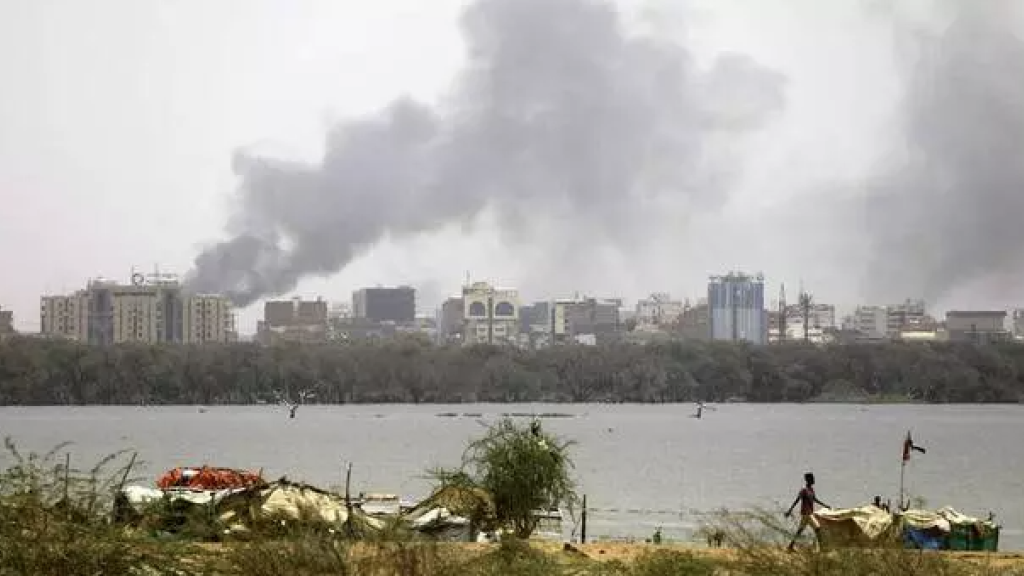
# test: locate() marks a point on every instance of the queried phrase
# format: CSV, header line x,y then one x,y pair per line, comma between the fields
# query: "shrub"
x,y
522,468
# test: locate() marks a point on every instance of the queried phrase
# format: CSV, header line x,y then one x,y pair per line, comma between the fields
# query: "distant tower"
x,y
782,313
806,303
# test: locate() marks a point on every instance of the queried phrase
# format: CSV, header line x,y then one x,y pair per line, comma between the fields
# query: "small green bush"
x,y
522,468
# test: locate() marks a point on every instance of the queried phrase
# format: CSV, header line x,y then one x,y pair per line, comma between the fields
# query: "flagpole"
x,y
903,465
903,469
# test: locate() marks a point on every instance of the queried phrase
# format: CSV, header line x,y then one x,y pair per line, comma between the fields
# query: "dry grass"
x,y
57,521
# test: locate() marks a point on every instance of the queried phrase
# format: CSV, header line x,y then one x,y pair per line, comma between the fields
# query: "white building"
x,y
491,315
872,321
658,310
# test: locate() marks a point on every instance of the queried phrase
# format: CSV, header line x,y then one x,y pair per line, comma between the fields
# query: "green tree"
x,y
522,468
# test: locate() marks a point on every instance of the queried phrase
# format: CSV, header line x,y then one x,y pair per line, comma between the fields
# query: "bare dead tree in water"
x,y
294,406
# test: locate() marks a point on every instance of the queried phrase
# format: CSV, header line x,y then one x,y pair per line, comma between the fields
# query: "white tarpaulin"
x,y
304,503
436,517
870,520
943,519
141,496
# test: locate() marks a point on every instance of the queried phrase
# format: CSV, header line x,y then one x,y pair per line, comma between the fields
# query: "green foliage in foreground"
x,y
522,468
55,372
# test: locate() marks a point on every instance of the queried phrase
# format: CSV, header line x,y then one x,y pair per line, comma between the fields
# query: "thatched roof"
x,y
472,503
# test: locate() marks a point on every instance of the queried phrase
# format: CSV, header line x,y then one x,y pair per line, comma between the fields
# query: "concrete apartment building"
x,y
1017,324
451,320
976,326
736,302
491,314
208,318
597,319
535,324
152,309
296,320
658,310
396,305
6,323
580,320
910,315
872,322
65,316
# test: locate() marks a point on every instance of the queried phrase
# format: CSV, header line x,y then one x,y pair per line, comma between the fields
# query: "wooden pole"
x,y
903,470
583,522
348,487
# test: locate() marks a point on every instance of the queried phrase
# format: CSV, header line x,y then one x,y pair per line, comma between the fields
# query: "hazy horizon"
x,y
864,149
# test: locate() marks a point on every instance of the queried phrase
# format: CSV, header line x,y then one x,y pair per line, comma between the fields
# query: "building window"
x,y
504,309
477,309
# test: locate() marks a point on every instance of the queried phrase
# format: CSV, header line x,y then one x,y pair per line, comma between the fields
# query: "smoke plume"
x,y
559,116
951,214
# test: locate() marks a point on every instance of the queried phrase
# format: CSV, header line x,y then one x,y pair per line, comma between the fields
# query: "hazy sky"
x,y
119,120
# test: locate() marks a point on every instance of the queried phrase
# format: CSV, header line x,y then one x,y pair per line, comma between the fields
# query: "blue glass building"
x,y
736,305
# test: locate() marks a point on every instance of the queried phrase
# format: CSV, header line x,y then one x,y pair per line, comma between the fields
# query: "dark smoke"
x,y
953,214
559,116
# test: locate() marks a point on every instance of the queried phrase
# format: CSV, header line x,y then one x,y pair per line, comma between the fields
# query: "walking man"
x,y
807,499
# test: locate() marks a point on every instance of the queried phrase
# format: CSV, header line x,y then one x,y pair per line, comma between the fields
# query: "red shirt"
x,y
806,501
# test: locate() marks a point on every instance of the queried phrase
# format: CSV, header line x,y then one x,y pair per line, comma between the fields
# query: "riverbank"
x,y
597,559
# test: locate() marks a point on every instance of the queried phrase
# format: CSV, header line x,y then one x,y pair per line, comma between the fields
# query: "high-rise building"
x,y
294,320
208,318
491,314
396,305
736,303
65,316
151,309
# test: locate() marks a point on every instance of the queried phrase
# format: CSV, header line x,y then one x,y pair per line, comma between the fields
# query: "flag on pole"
x,y
909,446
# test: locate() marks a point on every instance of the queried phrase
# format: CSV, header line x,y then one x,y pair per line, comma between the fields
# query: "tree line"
x,y
59,372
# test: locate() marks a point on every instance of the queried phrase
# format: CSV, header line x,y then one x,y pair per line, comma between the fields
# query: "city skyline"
x,y
157,307
161,106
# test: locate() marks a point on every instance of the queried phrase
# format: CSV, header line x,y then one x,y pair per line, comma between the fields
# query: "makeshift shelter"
x,y
301,504
863,526
947,529
281,504
454,513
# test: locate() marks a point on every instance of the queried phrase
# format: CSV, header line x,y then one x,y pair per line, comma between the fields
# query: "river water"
x,y
641,466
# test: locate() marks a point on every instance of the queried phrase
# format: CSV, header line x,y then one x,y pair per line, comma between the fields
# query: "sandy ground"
x,y
627,552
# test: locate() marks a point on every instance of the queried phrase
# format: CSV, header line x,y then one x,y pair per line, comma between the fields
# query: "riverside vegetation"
x,y
60,372
57,520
